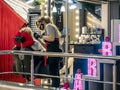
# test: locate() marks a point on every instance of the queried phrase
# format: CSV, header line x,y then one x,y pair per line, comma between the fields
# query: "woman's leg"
x,y
54,70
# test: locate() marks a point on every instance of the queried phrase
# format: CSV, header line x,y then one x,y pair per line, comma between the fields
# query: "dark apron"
x,y
53,47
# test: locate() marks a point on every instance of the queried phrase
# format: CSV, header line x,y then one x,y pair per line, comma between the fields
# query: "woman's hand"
x,y
37,35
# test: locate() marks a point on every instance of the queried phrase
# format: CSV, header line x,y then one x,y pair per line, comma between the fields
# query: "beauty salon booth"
x,y
92,31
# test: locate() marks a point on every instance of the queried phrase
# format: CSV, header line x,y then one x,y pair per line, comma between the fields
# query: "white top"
x,y
37,46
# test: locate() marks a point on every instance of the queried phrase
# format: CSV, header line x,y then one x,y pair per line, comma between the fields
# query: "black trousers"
x,y
54,70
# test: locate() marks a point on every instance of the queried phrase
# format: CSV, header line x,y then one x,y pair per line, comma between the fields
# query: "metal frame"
x,y
73,55
51,54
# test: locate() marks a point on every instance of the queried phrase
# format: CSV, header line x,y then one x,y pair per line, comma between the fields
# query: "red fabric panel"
x,y
10,22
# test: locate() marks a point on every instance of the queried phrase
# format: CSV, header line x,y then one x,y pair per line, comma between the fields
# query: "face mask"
x,y
42,27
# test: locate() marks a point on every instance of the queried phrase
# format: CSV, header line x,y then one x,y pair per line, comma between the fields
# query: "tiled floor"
x,y
4,85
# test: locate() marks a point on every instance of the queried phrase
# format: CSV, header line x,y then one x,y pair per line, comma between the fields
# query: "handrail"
x,y
57,54
53,54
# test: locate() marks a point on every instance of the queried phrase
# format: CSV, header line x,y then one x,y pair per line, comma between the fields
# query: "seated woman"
x,y
28,43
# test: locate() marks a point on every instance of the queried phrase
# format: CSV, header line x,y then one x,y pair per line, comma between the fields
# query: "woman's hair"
x,y
24,25
47,21
27,29
44,18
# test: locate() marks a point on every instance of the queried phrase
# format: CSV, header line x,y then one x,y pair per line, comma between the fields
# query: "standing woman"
x,y
51,39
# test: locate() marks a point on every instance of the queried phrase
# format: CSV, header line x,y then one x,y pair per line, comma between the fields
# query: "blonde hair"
x,y
47,20
44,18
27,29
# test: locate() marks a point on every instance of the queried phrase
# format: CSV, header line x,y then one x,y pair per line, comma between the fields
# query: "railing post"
x,y
114,76
66,43
32,70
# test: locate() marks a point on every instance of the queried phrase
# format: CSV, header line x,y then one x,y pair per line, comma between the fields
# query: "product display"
x,y
91,36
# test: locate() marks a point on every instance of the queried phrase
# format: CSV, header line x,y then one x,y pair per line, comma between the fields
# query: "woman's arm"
x,y
49,38
42,43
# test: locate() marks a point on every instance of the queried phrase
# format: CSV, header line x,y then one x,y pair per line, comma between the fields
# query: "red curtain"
x,y
10,22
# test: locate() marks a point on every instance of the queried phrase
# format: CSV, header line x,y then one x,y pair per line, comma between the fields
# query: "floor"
x,y
4,85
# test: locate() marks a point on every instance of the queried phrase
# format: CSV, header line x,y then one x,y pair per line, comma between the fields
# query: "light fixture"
x,y
77,23
45,11
77,11
72,6
54,8
77,36
77,29
62,9
70,1
77,17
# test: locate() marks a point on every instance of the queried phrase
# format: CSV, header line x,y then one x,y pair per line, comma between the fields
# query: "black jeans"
x,y
54,70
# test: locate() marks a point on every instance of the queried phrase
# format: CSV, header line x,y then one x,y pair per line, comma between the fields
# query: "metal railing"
x,y
75,55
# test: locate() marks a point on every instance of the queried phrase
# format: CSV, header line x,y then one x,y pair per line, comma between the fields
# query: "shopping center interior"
x,y
90,41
